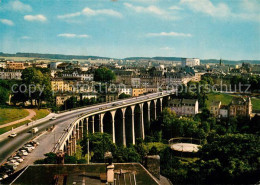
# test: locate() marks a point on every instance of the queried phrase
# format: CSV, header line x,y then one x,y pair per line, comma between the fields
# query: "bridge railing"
x,y
69,129
184,140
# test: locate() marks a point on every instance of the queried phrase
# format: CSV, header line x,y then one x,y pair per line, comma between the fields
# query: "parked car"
x,y
33,143
23,152
53,118
12,166
29,146
13,135
13,162
27,149
3,176
18,159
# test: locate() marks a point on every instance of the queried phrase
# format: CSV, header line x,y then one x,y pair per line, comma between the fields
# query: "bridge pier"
x,y
124,136
68,149
101,116
161,101
155,104
113,113
148,113
142,119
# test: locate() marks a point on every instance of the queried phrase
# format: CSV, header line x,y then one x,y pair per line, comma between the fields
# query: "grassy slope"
x,y
10,114
40,113
6,129
13,113
256,104
226,99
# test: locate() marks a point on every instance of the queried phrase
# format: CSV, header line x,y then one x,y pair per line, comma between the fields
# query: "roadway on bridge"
x,y
10,145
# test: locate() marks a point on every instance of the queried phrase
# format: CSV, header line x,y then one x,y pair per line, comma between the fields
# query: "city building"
x,y
191,62
215,108
223,111
3,65
240,106
10,74
60,99
15,65
184,107
77,74
137,91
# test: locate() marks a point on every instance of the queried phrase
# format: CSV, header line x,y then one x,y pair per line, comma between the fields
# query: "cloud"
x,y
69,15
149,9
90,12
249,9
16,5
19,6
167,48
169,34
152,9
7,22
251,5
175,8
72,35
207,7
25,37
39,17
145,1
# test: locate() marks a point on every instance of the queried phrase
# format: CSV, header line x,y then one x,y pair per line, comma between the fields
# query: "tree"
x,y
123,96
103,75
99,143
4,95
38,85
70,103
230,159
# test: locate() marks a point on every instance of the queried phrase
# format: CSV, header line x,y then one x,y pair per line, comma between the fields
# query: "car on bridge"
x,y
12,135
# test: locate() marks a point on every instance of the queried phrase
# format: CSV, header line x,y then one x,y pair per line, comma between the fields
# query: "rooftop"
x,y
90,174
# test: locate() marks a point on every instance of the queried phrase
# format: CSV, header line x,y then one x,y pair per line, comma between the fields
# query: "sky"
x,y
206,29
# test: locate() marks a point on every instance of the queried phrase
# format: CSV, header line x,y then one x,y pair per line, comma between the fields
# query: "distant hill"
x,y
230,62
51,56
154,58
70,57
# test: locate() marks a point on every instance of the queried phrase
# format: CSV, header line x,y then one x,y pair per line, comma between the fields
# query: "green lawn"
x,y
40,113
160,146
226,99
6,129
256,104
9,114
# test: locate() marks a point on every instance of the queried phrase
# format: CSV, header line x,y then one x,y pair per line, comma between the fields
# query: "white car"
x,y
11,162
12,165
24,152
3,176
27,149
13,135
18,159
53,118
29,146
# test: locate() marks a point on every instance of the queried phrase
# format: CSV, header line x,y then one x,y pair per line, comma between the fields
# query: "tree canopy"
x,y
104,74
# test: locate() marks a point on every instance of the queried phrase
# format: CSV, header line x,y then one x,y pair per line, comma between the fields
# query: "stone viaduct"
x,y
124,121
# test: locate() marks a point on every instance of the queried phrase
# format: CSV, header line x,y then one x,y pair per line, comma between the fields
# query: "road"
x,y
47,141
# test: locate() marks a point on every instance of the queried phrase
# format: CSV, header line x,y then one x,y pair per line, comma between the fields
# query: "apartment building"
x,y
15,65
184,107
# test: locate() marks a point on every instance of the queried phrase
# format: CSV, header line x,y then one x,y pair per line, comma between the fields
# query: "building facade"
x,y
184,107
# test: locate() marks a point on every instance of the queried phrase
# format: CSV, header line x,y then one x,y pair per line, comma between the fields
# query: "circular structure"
x,y
185,147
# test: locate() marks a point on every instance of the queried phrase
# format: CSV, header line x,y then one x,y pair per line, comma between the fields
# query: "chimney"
x,y
110,167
